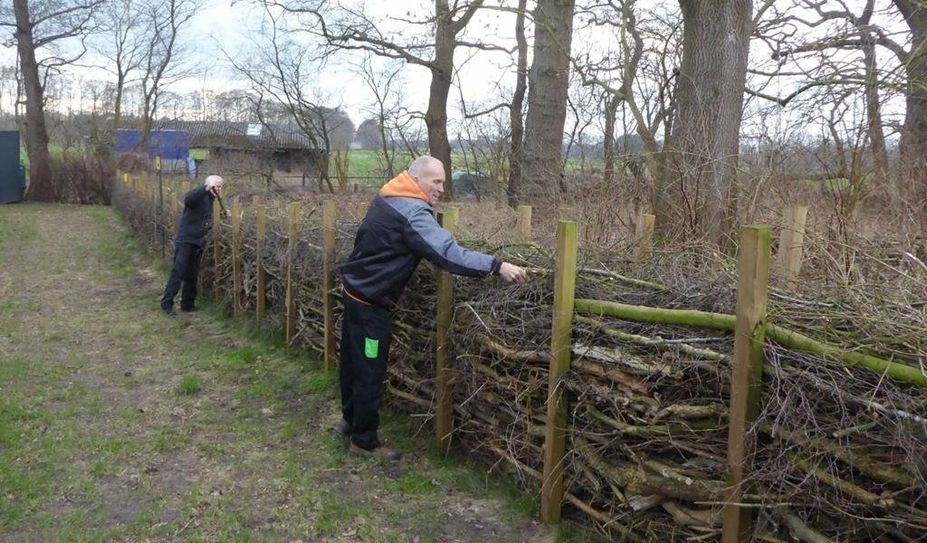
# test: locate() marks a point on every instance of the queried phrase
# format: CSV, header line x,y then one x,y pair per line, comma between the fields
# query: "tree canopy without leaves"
x,y
38,25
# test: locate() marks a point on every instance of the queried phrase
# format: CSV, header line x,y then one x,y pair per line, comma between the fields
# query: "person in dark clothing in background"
x,y
399,230
188,245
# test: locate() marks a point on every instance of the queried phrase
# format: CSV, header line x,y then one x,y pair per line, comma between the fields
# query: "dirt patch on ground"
x,y
117,423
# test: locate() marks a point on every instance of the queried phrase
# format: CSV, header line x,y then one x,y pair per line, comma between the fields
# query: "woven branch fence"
x,y
688,406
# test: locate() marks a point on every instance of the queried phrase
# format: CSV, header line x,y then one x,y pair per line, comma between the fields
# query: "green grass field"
x,y
120,424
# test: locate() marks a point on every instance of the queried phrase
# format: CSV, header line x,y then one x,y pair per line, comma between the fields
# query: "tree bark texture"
x,y
41,188
913,144
518,127
442,70
698,196
547,96
873,103
611,114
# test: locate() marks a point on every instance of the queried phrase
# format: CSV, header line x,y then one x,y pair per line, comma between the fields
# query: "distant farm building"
x,y
275,147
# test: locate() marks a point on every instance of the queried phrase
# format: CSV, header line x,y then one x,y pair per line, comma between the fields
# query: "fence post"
x,y
746,375
293,233
236,256
216,224
161,205
788,261
644,235
260,289
328,279
560,349
444,422
177,193
523,223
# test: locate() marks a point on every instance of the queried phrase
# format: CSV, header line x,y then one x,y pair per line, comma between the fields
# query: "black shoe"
x,y
343,429
190,309
390,455
169,311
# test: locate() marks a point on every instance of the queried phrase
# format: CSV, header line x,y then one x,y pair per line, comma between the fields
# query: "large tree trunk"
x,y
874,114
518,99
547,95
442,71
913,144
699,196
41,187
436,115
611,114
873,104
149,109
117,104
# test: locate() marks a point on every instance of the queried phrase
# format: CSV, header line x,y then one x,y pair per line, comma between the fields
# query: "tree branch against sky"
x,y
38,28
165,54
825,46
286,72
429,42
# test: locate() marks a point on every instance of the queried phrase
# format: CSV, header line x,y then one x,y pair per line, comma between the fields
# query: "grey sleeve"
x,y
428,240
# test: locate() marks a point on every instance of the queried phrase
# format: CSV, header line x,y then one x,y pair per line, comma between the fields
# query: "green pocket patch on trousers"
x,y
371,347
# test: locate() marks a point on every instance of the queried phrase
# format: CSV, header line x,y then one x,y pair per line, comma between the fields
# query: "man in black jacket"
x,y
188,245
399,230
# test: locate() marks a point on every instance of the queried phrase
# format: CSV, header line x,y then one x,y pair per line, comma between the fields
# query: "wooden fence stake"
x,y
329,221
788,261
560,348
523,223
177,193
293,235
260,288
444,421
236,256
216,224
746,375
644,235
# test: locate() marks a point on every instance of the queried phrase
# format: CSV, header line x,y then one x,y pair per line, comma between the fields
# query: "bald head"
x,y
425,165
213,181
428,173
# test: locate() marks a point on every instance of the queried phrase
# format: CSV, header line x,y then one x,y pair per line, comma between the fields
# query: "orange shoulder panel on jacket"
x,y
403,185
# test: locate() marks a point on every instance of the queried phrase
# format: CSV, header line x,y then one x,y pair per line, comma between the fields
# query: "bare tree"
x,y
698,196
547,93
347,29
582,110
516,114
281,69
39,25
10,91
163,55
123,43
848,32
233,105
385,108
636,79
913,144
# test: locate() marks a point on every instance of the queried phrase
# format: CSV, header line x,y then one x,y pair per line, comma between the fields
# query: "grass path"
x,y
118,424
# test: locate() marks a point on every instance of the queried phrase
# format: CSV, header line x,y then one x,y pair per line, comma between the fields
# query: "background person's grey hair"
x,y
421,165
212,181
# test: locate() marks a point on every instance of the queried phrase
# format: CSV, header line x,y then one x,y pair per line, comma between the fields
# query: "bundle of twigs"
x,y
839,453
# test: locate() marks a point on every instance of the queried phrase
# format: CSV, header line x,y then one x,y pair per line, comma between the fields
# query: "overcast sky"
x,y
221,26
234,26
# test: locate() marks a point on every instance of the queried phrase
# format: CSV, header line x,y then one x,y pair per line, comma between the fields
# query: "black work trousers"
x,y
366,334
185,270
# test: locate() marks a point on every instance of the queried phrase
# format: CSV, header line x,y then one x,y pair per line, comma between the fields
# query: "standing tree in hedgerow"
x,y
697,196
